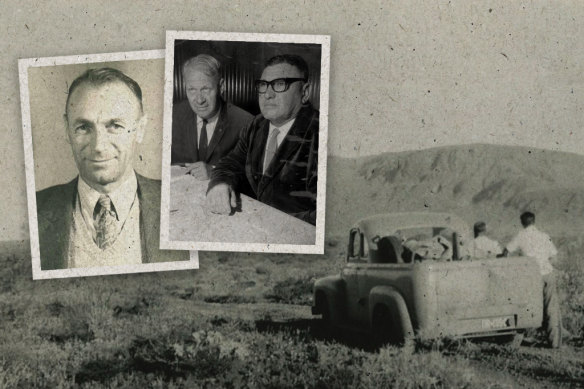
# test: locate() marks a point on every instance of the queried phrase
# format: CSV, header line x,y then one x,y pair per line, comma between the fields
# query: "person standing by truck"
x,y
485,247
532,242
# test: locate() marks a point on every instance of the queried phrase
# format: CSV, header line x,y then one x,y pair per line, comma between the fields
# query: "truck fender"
x,y
332,289
387,297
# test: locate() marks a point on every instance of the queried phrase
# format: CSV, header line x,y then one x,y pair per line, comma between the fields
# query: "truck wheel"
x,y
513,341
387,329
326,325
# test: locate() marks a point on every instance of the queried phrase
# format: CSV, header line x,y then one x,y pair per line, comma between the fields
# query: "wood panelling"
x,y
243,63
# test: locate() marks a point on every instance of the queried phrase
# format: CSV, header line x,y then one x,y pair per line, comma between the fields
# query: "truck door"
x,y
356,309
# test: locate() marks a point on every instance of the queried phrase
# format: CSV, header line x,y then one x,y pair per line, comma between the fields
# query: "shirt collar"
x,y
122,198
284,128
210,121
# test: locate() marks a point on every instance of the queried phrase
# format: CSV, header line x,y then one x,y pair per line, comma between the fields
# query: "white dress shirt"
x,y
283,131
531,242
485,247
211,124
122,199
126,249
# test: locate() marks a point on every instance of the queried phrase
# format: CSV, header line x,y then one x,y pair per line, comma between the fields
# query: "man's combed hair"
x,y
102,76
209,65
291,59
527,219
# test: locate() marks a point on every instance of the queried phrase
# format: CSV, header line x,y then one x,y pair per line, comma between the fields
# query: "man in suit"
x,y
277,154
109,215
204,127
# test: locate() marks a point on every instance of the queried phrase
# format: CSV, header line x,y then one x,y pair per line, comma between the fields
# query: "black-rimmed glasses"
x,y
279,85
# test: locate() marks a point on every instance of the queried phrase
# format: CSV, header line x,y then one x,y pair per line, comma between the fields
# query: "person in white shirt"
x,y
534,243
485,247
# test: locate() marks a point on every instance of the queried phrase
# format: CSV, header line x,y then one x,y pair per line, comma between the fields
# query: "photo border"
x,y
324,41
37,272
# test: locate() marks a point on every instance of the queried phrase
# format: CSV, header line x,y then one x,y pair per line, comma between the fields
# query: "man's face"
x,y
104,125
281,107
203,92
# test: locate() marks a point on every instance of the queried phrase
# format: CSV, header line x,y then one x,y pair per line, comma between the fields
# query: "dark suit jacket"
x,y
185,148
55,207
290,181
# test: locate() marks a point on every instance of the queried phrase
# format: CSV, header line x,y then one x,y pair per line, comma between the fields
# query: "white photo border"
x,y
37,272
324,41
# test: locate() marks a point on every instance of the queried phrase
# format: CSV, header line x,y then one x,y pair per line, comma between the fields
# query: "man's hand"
x,y
198,170
221,199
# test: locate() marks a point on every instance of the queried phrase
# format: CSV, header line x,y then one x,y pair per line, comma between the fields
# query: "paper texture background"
x,y
403,75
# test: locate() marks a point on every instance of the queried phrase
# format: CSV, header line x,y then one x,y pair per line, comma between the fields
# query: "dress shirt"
x,y
211,123
122,199
486,248
531,242
283,131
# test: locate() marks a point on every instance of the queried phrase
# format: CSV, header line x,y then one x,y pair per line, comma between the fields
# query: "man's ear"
x,y
222,87
141,129
305,92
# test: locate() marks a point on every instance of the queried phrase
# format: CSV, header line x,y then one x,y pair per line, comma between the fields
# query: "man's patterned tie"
x,y
271,148
105,218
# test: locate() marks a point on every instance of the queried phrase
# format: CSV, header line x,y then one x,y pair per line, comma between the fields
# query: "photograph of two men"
x,y
134,159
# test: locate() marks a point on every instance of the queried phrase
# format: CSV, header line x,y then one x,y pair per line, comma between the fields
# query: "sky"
x,y
403,75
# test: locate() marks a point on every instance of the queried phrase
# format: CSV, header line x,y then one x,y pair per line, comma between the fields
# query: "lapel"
x,y
149,218
258,147
220,126
191,127
54,222
295,138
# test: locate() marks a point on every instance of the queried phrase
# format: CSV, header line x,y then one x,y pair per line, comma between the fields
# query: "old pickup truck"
x,y
412,276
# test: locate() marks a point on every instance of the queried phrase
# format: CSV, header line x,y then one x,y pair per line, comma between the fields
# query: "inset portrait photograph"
x,y
93,143
244,159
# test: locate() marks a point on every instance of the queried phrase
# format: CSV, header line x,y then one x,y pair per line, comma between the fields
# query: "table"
x,y
255,222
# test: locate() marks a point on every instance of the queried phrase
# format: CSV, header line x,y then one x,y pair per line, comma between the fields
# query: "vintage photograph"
x,y
454,198
92,134
244,159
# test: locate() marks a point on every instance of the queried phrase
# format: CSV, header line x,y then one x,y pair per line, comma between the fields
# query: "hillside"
x,y
487,182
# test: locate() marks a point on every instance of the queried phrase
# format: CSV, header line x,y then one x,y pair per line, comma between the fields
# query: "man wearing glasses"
x,y
108,215
278,152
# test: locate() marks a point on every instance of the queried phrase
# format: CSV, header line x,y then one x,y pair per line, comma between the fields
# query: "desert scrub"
x,y
293,291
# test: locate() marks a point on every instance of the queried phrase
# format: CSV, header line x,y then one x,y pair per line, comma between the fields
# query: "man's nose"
x,y
270,94
200,98
100,139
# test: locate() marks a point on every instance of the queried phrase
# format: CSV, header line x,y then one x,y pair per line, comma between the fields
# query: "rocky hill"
x,y
486,182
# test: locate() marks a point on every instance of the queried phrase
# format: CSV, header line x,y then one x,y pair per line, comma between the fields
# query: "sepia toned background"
x,y
469,107
403,75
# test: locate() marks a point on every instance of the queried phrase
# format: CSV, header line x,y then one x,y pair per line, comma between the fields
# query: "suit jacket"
x,y
289,183
55,206
185,148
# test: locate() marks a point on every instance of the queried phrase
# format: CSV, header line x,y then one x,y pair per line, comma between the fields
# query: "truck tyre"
x,y
388,329
326,326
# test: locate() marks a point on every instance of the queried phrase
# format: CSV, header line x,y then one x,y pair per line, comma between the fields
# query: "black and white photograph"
x,y
246,116
448,253
93,135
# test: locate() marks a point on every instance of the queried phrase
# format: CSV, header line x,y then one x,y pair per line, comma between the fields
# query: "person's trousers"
x,y
552,320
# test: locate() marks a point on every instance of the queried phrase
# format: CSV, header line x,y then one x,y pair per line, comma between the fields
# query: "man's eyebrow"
x,y
82,121
115,120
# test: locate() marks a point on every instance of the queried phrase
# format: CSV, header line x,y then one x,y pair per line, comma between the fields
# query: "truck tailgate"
x,y
486,296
